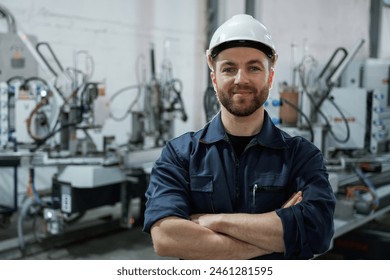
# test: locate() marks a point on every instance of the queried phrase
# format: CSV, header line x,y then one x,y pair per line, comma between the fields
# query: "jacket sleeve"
x,y
167,193
308,226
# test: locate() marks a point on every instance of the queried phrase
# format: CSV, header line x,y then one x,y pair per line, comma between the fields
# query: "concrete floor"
x,y
93,239
129,244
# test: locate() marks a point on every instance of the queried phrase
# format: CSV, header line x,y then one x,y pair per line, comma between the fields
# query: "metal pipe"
x,y
250,7
9,18
340,70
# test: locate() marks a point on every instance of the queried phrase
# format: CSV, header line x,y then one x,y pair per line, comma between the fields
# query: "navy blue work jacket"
x,y
199,173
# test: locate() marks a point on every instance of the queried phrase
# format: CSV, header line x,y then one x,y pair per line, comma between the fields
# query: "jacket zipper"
x,y
237,166
236,183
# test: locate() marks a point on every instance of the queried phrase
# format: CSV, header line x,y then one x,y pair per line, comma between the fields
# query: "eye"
x,y
228,70
254,68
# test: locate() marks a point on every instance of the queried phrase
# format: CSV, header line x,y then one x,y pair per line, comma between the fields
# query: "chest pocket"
x,y
202,188
209,197
267,193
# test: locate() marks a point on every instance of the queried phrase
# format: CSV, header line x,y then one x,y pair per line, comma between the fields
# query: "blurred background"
x,y
90,91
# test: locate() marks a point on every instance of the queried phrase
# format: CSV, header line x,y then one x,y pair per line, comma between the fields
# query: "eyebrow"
x,y
250,62
255,61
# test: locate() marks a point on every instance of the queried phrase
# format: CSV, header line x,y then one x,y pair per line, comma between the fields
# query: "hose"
x,y
24,211
116,94
9,18
296,108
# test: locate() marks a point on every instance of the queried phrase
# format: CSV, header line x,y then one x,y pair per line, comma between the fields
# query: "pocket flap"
x,y
203,183
270,181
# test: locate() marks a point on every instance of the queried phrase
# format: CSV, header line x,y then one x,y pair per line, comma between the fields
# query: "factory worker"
x,y
240,188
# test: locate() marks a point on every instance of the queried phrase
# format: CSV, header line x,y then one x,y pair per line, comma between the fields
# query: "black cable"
x,y
303,115
182,109
43,141
37,199
86,86
328,64
9,18
52,54
319,111
123,90
49,66
333,70
345,121
131,105
36,79
9,81
171,87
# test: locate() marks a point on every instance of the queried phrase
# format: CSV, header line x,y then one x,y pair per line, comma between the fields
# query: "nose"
x,y
241,77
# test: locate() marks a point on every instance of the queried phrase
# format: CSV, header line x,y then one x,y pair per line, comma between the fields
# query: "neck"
x,y
243,126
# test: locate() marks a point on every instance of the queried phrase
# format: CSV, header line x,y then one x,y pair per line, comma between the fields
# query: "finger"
x,y
293,200
288,203
298,200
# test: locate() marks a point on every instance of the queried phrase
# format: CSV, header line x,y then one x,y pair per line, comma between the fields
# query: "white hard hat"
x,y
242,31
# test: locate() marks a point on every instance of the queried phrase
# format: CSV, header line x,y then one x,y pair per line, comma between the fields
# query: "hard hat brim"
x,y
267,50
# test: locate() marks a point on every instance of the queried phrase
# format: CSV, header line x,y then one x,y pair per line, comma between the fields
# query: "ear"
x,y
209,61
213,80
271,77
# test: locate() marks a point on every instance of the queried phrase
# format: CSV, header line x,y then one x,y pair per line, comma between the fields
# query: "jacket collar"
x,y
269,136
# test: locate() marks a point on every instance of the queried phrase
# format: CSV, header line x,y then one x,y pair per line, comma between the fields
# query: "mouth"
x,y
243,93
242,90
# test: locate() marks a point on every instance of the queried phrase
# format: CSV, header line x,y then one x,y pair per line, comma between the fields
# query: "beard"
x,y
243,107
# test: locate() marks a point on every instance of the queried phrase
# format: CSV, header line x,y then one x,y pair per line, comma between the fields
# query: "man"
x,y
240,188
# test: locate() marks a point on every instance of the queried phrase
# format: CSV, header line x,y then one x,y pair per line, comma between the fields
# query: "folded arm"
x,y
220,236
261,230
184,239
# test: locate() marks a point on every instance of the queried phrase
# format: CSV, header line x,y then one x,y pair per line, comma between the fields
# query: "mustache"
x,y
236,88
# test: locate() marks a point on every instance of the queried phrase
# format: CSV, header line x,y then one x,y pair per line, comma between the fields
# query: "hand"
x,y
205,219
293,200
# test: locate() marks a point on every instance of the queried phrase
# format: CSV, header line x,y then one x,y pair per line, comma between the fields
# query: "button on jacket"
x,y
198,172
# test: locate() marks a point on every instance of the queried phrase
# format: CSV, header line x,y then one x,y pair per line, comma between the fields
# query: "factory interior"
x,y
90,92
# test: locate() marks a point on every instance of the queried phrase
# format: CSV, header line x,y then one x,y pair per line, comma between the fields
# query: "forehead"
x,y
242,55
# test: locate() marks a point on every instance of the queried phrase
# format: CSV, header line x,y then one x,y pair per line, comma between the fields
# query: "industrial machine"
x,y
47,122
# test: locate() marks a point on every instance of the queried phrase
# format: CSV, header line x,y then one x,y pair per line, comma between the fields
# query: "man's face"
x,y
242,78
